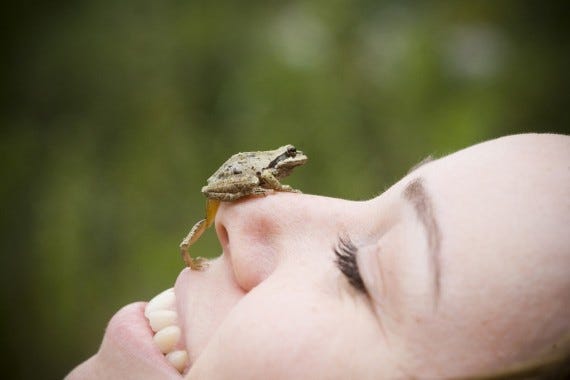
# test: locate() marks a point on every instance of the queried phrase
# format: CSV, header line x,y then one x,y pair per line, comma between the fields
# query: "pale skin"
x,y
465,262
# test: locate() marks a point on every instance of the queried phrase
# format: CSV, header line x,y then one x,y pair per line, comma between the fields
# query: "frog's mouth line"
x,y
163,320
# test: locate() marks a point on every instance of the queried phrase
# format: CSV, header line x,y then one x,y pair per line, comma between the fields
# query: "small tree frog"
x,y
243,174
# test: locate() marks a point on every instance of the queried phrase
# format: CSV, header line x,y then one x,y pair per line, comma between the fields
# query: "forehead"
x,y
498,203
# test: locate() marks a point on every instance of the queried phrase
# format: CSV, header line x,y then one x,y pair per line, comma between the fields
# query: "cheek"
x,y
277,331
260,339
299,328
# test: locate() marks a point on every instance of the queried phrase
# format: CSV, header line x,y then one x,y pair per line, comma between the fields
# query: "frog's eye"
x,y
291,151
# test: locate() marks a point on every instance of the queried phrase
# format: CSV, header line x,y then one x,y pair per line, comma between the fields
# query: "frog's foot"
x,y
260,191
198,263
286,188
273,183
289,189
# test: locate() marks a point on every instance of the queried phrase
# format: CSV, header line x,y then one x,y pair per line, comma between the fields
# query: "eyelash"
x,y
346,252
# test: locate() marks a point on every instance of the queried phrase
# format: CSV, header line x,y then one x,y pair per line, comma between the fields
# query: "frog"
x,y
243,174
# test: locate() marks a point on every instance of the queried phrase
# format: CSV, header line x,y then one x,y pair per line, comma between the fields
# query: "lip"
x,y
180,286
180,290
131,335
184,302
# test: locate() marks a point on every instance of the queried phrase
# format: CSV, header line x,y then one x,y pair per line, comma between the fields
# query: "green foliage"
x,y
117,112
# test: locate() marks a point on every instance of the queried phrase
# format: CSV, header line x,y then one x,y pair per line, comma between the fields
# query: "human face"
x,y
464,266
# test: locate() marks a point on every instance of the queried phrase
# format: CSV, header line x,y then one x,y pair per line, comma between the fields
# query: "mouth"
x,y
163,318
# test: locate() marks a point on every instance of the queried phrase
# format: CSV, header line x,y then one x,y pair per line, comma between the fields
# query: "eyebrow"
x,y
415,192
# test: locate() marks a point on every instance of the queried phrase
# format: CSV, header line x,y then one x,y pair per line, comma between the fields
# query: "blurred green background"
x,y
115,113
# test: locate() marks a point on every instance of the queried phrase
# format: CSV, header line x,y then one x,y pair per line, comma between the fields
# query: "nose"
x,y
258,234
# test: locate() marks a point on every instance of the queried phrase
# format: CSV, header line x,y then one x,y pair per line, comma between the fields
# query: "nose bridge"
x,y
258,233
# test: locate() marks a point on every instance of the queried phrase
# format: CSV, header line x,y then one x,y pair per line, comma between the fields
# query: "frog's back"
x,y
239,163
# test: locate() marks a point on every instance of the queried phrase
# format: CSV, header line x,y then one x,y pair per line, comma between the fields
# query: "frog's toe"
x,y
197,264
289,189
260,191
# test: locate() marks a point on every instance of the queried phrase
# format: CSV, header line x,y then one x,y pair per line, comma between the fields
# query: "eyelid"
x,y
370,264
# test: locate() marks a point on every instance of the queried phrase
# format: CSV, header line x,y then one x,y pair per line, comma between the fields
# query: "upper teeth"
x,y
163,319
160,319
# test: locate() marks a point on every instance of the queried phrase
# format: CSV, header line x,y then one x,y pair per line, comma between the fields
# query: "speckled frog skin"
x,y
253,173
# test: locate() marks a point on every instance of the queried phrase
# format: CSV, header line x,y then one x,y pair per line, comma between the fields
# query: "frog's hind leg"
x,y
195,232
211,210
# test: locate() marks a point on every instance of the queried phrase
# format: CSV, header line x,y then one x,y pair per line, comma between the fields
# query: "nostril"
x,y
223,236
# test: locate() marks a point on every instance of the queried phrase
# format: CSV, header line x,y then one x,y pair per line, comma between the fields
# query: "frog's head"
x,y
286,158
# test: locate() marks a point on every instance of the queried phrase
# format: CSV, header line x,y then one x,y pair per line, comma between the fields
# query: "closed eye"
x,y
345,252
